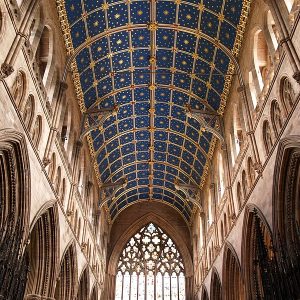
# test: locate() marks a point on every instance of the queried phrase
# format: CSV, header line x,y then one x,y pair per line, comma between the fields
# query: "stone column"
x,y
286,41
78,147
249,128
227,167
189,287
110,286
55,121
7,66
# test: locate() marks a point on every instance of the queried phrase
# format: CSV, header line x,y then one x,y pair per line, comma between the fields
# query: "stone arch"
x,y
233,285
65,130
14,178
57,182
43,253
133,229
239,195
267,136
151,217
19,87
204,294
28,112
84,285
256,232
276,117
94,293
251,171
66,284
287,93
215,285
261,58
286,201
244,184
37,131
272,30
14,213
44,53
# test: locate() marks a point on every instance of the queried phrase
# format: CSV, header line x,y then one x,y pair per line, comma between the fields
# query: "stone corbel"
x,y
107,187
202,116
100,114
190,192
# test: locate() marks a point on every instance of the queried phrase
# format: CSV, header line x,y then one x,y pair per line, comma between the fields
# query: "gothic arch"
x,y
267,136
276,117
204,294
215,286
94,293
131,231
286,191
14,213
43,252
233,286
287,93
66,284
164,225
261,58
256,232
84,285
44,54
37,131
18,89
14,178
28,112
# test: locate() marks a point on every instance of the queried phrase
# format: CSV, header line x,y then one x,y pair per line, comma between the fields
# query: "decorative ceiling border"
x,y
62,15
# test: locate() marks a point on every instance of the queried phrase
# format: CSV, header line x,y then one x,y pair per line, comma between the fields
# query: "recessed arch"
x,y
168,228
67,282
286,205
84,285
43,252
14,213
215,286
257,239
233,285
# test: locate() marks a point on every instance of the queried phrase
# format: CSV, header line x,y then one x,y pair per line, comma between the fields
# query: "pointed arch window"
x,y
150,267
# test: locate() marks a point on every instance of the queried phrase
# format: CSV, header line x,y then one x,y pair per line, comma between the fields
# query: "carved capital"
x,y
63,85
46,161
296,76
6,70
69,213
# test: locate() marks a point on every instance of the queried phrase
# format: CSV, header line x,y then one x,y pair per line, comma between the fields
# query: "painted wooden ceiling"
x,y
152,58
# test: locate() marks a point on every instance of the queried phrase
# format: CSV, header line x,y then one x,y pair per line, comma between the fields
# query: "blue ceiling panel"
x,y
152,59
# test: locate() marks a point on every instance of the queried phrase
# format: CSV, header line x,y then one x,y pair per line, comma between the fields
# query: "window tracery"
x,y
150,265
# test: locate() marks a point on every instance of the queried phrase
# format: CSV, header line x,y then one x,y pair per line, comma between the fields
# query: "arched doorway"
x,y
14,214
150,264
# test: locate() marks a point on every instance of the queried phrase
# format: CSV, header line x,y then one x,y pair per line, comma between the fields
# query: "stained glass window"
x,y
150,268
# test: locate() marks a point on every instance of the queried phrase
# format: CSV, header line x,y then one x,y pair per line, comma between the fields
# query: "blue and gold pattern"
x,y
152,58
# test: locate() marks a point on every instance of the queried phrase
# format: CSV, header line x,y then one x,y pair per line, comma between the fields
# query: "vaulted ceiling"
x,y
152,58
